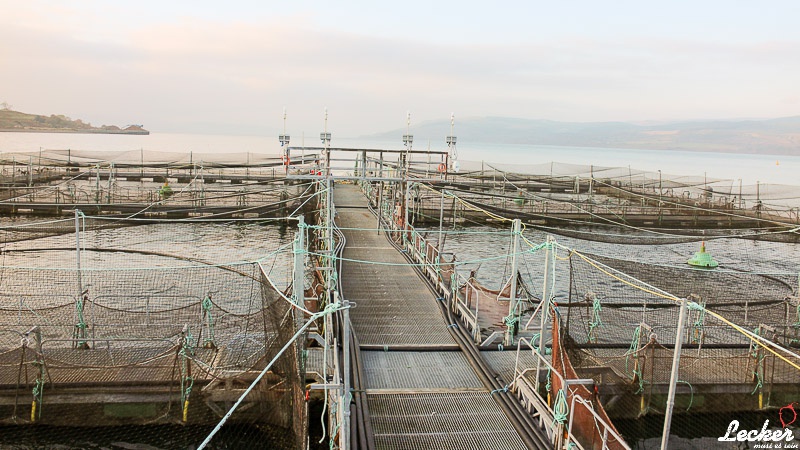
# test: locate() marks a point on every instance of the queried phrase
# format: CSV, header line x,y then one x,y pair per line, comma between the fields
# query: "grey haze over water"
x,y
732,166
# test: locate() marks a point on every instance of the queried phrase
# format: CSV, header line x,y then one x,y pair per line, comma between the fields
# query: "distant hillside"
x,y
15,121
773,136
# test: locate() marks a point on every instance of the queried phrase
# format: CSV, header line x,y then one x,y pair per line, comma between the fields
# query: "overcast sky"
x,y
231,67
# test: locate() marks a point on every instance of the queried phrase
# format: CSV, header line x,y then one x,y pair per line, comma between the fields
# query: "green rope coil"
x,y
38,390
560,407
548,385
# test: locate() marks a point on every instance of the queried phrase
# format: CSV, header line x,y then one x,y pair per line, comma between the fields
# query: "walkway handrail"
x,y
606,430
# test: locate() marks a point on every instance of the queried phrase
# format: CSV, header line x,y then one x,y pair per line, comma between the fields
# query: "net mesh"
x,y
162,327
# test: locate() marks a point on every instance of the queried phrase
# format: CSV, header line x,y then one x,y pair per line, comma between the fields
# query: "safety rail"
x,y
551,414
428,256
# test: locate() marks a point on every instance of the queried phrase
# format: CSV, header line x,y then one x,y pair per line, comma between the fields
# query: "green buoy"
x,y
702,259
166,191
520,200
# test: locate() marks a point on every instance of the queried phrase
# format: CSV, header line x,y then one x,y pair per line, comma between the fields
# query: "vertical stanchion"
x,y
673,377
110,177
380,205
405,213
298,276
78,250
441,221
345,394
544,308
512,301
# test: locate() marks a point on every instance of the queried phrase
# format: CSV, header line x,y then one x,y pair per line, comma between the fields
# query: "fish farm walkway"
x,y
421,391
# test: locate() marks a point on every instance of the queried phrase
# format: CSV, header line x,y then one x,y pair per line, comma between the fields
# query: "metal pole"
x,y
515,232
298,276
740,194
329,229
380,206
758,191
97,186
345,434
673,377
441,221
78,250
110,176
406,202
544,309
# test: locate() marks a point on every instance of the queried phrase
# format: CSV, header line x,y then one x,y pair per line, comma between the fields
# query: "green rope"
x,y
691,393
759,356
38,391
633,349
80,327
510,320
38,387
638,375
759,382
209,341
595,322
548,385
186,353
699,323
534,338
187,388
560,407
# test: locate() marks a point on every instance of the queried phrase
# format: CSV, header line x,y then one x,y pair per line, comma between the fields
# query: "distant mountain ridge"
x,y
779,136
15,121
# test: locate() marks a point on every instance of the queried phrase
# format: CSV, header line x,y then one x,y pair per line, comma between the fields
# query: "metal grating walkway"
x,y
417,399
418,370
394,307
463,420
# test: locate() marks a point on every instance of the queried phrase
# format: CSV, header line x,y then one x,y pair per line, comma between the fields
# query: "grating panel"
x,y
503,362
418,370
314,363
467,420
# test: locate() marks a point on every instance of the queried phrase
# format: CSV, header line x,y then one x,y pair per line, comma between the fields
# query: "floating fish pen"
x,y
141,322
195,308
598,335
562,195
172,185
